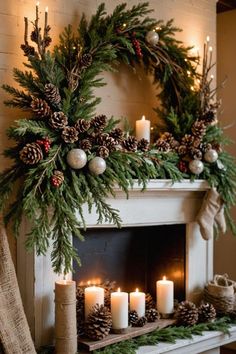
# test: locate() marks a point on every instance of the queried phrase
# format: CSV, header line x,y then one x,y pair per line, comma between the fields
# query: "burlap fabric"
x,y
14,330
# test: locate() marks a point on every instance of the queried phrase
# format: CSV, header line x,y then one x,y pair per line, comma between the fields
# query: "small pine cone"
x,y
109,287
199,129
162,145
209,117
182,150
196,142
152,315
196,154
103,152
143,145
85,144
31,154
34,35
98,123
82,125
150,303
86,60
99,323
58,120
40,108
217,146
47,41
117,134
206,313
69,135
52,93
140,322
187,313
27,49
133,317
130,144
106,140
57,178
187,140
204,147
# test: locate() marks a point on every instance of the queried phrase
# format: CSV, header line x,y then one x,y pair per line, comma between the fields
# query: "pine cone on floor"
x,y
52,93
109,287
98,123
117,134
143,145
133,317
99,323
162,145
196,154
80,309
69,135
150,303
140,322
31,154
40,108
86,60
206,313
85,144
130,144
199,129
58,120
152,315
103,151
187,313
57,178
82,125
105,140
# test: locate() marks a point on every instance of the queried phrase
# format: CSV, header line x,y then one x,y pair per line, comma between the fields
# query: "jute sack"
x,y
14,330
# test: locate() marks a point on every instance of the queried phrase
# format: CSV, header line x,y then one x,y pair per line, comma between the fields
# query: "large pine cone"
x,y
152,315
99,323
206,313
130,144
162,145
58,120
69,135
52,93
150,303
117,134
143,145
199,129
82,125
40,108
98,123
106,140
133,317
31,154
85,144
86,60
187,313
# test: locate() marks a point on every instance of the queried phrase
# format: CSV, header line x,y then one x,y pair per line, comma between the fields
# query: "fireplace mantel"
x,y
161,203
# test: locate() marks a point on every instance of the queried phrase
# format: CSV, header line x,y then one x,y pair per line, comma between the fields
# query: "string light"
x,y
210,49
208,39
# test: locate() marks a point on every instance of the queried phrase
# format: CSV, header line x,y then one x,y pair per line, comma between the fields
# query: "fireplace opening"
x,y
133,257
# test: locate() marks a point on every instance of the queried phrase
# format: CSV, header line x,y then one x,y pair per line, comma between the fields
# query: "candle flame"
x,y
37,4
137,290
208,38
143,118
46,9
89,283
118,290
164,277
210,49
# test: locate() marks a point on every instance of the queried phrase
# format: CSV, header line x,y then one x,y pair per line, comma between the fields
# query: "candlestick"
x,y
143,129
119,309
93,295
46,18
137,302
165,296
65,317
26,30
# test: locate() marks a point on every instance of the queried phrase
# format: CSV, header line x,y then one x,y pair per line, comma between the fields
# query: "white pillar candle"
x,y
143,129
92,295
137,302
119,309
165,296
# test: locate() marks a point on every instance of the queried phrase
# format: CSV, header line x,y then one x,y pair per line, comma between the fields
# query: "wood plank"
x,y
132,332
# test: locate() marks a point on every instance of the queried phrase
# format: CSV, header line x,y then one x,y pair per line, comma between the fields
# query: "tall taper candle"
x,y
65,317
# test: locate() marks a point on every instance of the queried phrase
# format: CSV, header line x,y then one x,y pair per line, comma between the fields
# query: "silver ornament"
x,y
196,167
211,155
152,37
97,165
76,158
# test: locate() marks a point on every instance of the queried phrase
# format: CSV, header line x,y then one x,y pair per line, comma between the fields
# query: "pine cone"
x,y
204,147
168,137
217,146
86,60
99,323
117,134
133,317
150,303
152,315
199,129
140,322
162,145
52,93
80,310
31,154
57,178
143,145
82,125
209,117
196,154
187,313
69,135
106,140
130,144
85,144
27,49
34,35
98,123
58,120
41,108
103,152
206,313
109,287
187,140
182,150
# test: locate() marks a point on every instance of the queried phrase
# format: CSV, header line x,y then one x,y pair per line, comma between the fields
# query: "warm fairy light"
x,y
164,277
157,28
210,49
185,59
124,25
212,77
188,72
208,38
143,118
137,290
192,88
152,128
198,81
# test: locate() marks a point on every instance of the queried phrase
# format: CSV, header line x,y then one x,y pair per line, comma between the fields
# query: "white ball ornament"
x,y
211,155
152,37
196,167
97,165
76,158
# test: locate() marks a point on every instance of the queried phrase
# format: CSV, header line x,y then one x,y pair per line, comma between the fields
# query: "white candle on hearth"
x,y
92,295
165,296
143,129
137,302
119,309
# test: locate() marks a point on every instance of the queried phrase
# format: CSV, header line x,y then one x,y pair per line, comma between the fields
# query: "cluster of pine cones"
x,y
188,314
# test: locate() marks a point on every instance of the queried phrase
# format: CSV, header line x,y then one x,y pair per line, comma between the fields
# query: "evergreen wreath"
x,y
66,156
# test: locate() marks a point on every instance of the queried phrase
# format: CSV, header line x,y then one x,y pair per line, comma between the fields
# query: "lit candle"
x,y
165,296
137,302
143,129
119,309
65,317
92,295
